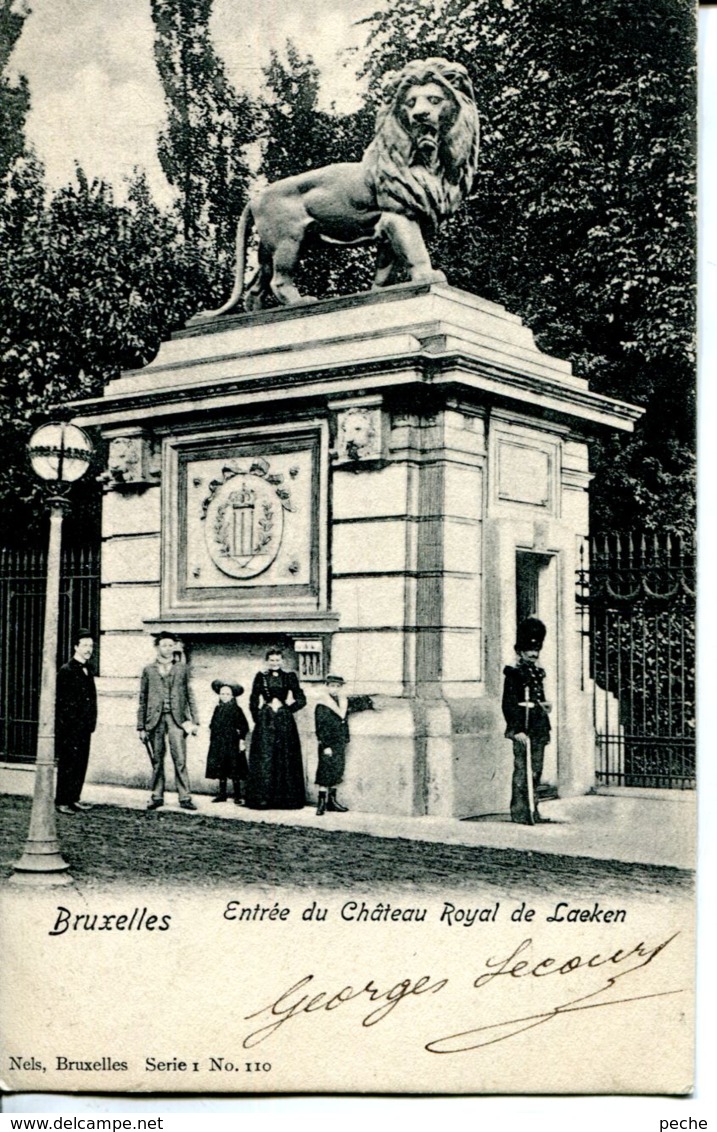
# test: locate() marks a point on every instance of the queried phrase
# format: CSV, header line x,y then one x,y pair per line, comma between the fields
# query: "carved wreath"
x,y
265,533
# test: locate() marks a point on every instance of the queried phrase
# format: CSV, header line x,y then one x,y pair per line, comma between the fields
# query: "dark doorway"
x,y
528,568
535,596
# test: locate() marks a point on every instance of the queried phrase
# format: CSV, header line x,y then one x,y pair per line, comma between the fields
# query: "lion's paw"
x,y
428,276
292,298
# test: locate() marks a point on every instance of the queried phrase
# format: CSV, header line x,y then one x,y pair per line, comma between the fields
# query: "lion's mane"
x,y
407,187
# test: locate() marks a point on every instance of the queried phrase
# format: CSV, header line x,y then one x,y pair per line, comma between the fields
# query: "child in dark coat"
x,y
332,732
331,721
227,747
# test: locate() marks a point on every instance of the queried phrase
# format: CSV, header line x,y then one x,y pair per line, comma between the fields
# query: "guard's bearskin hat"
x,y
531,634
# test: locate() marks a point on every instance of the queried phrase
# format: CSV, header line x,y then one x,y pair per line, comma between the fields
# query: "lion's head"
x,y
124,458
425,152
358,433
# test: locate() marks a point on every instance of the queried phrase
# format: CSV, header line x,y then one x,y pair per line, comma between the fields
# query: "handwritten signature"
x,y
302,998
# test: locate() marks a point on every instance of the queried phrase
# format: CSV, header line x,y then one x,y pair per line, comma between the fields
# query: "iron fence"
x,y
636,601
22,610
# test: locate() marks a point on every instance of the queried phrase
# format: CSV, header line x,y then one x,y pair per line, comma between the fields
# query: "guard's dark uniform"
x,y
524,681
518,677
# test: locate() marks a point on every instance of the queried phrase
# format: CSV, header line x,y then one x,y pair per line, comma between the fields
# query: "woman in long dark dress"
x,y
276,768
228,730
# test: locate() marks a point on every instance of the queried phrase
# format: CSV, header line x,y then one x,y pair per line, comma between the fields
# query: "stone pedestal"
x,y
384,483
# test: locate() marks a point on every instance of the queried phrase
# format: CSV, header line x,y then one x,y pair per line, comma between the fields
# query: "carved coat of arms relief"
x,y
243,516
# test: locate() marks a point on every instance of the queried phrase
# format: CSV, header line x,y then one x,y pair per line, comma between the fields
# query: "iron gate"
x,y
22,609
636,602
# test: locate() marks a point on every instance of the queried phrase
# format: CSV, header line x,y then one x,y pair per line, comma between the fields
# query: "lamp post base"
x,y
41,864
39,880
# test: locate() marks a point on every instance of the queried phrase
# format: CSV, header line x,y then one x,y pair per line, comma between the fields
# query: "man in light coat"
x,y
167,714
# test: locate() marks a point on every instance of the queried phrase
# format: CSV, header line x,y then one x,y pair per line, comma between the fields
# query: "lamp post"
x,y
59,454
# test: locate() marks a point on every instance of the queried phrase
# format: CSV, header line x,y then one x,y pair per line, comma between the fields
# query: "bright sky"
x,y
96,95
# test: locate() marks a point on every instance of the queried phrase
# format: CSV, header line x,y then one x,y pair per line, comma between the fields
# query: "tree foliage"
x,y
14,96
582,215
202,148
581,219
89,287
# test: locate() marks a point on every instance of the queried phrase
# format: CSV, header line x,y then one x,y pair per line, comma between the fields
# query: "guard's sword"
x,y
527,703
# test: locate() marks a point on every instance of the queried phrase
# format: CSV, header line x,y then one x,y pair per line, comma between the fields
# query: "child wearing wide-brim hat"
x,y
227,746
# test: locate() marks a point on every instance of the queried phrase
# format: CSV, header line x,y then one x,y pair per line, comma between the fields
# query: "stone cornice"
x,y
458,372
410,335
276,623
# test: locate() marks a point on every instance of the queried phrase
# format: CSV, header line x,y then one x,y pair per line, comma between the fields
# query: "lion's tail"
x,y
242,238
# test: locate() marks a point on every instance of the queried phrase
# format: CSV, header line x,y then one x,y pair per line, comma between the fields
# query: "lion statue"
x,y
417,170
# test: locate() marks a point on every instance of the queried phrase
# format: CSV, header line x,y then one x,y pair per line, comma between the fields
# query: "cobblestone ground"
x,y
108,844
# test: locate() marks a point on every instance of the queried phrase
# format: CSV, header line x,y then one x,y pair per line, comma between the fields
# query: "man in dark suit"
x,y
75,720
167,714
